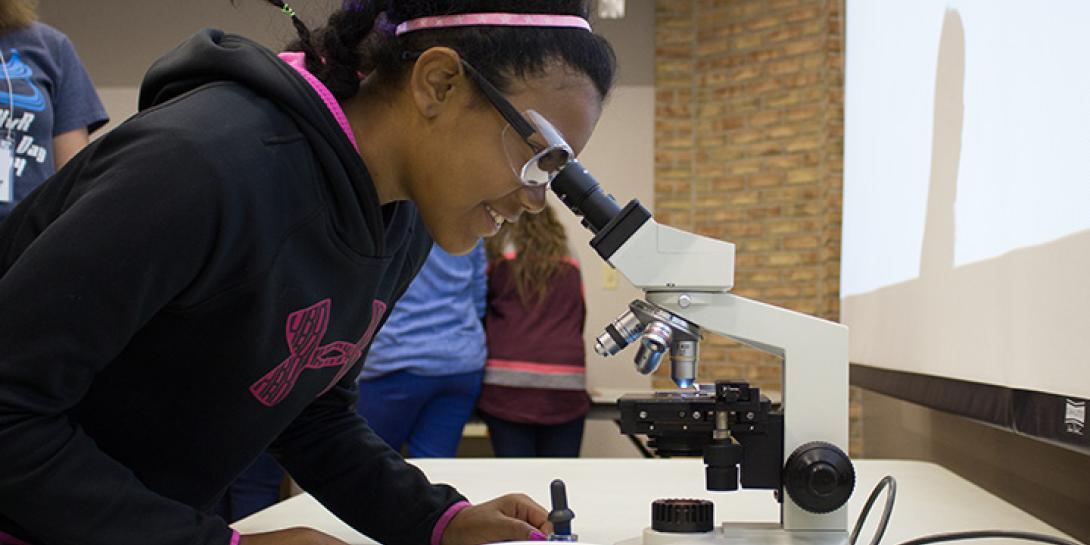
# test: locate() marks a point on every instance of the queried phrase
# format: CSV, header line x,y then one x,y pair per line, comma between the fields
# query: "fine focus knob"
x,y
721,459
682,516
819,477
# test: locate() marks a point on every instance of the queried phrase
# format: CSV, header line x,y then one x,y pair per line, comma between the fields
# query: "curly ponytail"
x,y
303,43
332,53
340,40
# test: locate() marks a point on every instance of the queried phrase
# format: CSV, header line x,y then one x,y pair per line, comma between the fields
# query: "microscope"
x,y
797,451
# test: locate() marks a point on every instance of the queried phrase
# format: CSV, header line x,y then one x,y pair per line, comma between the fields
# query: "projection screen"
x,y
966,241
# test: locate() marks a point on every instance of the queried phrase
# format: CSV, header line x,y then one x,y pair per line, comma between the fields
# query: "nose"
x,y
532,198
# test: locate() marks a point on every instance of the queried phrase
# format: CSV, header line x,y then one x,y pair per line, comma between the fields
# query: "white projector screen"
x,y
966,243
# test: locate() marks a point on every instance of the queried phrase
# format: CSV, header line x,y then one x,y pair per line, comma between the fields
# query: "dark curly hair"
x,y
359,38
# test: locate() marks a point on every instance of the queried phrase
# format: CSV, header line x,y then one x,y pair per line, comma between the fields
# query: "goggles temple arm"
x,y
519,123
512,116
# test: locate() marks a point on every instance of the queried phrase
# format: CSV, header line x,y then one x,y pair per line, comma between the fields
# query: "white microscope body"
x,y
690,277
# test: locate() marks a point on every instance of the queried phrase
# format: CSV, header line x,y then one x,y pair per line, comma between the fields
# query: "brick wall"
x,y
748,148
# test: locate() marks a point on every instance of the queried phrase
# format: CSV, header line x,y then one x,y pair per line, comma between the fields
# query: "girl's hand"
x,y
513,517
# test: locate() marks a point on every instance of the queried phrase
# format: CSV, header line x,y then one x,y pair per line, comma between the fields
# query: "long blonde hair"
x,y
15,14
540,244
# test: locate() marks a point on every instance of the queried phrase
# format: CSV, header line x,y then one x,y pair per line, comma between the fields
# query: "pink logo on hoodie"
x,y
304,331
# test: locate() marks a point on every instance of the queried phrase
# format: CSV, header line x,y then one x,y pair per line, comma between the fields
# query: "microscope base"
x,y
748,534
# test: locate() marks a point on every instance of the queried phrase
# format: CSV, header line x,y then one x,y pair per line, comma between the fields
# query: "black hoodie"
x,y
197,286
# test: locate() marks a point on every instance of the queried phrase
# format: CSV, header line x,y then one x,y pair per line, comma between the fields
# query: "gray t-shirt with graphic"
x,y
50,95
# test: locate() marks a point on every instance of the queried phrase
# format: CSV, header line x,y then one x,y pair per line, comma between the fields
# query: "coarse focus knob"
x,y
819,477
682,516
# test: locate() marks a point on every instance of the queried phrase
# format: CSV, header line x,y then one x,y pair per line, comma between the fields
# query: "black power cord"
x,y
887,511
979,534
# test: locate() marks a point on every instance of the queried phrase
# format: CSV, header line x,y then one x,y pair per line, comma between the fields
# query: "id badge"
x,y
7,170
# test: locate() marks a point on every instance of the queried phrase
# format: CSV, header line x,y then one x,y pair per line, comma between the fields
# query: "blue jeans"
x,y
426,412
255,489
517,440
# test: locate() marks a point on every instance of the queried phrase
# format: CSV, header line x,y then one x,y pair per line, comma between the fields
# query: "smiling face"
x,y
462,181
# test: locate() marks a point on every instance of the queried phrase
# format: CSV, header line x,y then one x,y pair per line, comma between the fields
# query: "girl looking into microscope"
x,y
202,283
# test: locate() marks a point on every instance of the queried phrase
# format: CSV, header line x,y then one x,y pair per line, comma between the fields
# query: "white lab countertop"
x,y
612,498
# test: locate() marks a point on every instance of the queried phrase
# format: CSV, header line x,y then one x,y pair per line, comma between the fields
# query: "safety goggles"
x,y
548,150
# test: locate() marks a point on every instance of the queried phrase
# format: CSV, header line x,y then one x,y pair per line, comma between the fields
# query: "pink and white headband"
x,y
492,19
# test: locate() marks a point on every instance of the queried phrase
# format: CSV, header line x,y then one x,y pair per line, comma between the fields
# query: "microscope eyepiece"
x,y
580,192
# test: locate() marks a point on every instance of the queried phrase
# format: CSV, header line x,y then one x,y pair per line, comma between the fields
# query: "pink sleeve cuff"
x,y
235,536
441,524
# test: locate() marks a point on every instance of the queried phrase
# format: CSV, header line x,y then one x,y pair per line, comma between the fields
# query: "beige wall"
x,y
621,158
120,103
119,39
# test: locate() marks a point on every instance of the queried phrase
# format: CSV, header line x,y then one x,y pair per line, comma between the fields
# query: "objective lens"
x,y
656,338
625,329
683,363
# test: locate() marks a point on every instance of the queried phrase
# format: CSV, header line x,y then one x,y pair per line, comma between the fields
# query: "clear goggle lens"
x,y
536,167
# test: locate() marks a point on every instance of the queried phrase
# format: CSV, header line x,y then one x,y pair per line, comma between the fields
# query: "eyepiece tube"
x,y
580,192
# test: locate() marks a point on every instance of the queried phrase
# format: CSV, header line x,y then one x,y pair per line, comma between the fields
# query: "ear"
x,y
435,75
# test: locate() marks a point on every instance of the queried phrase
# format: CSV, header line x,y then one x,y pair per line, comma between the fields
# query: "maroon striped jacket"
x,y
536,369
